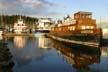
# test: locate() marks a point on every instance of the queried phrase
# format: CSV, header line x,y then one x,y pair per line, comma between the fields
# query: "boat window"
x,y
87,27
83,27
73,28
91,27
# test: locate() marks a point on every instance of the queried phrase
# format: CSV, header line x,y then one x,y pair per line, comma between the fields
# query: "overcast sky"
x,y
55,8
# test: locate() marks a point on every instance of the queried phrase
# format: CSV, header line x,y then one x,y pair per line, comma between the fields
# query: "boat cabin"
x,y
82,23
84,20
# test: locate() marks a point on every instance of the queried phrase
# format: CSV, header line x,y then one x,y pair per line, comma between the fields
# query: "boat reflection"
x,y
79,59
1,37
20,41
25,51
44,42
104,51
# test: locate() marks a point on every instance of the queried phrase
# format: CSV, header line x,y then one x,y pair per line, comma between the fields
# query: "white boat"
x,y
43,25
19,26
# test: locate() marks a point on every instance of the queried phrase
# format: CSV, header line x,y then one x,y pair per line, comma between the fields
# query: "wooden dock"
x,y
91,44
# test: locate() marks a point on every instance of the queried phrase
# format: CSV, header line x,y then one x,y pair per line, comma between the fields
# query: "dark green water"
x,y
41,54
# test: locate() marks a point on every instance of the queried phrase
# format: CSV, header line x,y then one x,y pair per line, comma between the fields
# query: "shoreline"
x,y
22,34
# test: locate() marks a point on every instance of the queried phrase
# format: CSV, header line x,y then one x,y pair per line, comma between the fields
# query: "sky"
x,y
56,9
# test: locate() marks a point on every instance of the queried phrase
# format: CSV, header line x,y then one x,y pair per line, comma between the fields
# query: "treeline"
x,y
6,20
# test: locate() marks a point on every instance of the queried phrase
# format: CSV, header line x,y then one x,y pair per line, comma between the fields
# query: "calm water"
x,y
41,54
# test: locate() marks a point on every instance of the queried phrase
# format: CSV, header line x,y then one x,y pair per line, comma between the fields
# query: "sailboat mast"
x,y
100,22
2,19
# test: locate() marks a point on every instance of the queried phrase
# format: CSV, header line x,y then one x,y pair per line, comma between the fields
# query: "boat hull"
x,y
80,35
42,31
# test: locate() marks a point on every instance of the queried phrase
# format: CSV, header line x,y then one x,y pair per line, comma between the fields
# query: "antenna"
x,y
100,21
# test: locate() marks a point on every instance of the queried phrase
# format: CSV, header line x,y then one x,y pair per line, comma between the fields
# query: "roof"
x,y
83,12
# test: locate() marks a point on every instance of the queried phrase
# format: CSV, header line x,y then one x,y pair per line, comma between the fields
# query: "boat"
x,y
43,25
80,28
20,27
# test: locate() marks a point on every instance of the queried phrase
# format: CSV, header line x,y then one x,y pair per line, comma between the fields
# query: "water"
x,y
42,54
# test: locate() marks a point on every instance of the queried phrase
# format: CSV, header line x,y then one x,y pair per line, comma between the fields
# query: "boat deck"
x,y
91,44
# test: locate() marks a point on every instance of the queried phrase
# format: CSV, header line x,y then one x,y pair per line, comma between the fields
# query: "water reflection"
x,y
44,42
104,51
20,41
78,59
40,54
26,52
1,37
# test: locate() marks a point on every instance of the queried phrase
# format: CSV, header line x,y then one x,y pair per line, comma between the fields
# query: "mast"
x,y
100,22
2,19
101,33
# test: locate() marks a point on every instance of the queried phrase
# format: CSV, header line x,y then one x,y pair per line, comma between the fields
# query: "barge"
x,y
81,28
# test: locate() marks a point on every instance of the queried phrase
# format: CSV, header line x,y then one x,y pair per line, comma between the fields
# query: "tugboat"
x,y
81,28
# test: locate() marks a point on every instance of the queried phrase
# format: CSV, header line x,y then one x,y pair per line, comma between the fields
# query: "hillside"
x,y
7,20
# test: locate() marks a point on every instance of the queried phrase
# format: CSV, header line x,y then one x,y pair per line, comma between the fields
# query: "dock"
x,y
91,44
